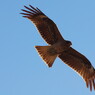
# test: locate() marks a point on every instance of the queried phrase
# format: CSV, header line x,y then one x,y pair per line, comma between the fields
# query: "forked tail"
x,y
47,54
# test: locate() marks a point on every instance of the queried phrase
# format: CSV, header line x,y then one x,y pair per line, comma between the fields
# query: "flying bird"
x,y
59,47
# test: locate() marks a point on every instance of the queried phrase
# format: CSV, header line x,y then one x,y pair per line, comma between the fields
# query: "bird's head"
x,y
68,43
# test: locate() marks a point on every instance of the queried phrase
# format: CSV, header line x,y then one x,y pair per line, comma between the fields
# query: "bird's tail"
x,y
47,53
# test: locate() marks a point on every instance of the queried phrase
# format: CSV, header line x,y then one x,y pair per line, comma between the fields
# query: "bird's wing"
x,y
81,65
46,27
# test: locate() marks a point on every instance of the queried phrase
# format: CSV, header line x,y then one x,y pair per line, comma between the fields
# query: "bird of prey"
x,y
58,46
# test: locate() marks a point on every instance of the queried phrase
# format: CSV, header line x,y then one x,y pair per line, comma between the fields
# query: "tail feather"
x,y
45,55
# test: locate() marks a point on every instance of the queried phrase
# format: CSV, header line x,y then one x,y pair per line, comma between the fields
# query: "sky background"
x,y
22,71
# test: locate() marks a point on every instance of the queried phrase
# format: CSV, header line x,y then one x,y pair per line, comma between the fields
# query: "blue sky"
x,y
22,71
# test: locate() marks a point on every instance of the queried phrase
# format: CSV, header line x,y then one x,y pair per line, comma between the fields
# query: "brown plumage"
x,y
59,47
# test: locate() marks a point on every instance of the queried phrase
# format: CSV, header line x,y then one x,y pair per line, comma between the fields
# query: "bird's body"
x,y
59,47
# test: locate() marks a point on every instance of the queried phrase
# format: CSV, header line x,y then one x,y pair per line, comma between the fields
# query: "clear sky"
x,y
22,71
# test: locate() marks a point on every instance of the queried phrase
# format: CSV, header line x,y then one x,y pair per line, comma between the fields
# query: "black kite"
x,y
59,47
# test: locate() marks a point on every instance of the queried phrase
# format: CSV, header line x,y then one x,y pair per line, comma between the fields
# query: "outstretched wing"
x,y
46,27
81,65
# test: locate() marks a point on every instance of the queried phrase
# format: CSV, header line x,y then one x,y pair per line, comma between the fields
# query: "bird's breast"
x,y
60,46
